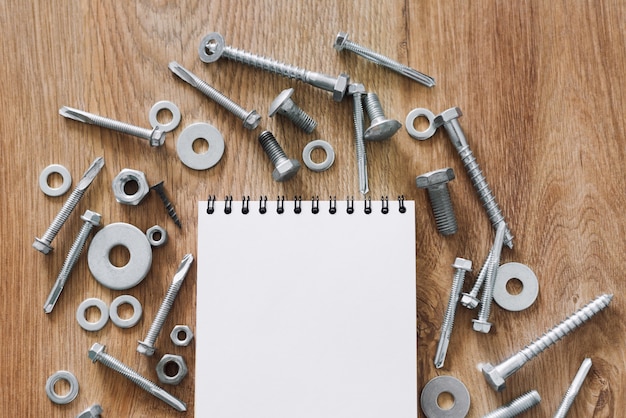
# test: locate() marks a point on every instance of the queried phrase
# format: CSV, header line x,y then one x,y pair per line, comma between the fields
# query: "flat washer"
x,y
55,191
443,384
90,303
109,275
416,113
167,105
69,378
137,311
193,160
529,292
324,165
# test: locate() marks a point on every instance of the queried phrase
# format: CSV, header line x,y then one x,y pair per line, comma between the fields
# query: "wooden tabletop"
x,y
541,87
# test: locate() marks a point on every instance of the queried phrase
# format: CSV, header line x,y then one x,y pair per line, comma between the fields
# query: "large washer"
x,y
530,287
184,146
445,384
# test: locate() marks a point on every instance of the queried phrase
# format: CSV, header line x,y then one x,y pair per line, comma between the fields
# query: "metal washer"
x,y
91,303
137,311
443,384
70,379
55,191
167,105
152,231
193,160
416,113
529,292
324,165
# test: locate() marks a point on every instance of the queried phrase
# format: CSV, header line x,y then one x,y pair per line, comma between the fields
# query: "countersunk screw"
x,y
470,300
169,206
284,105
516,406
94,411
573,390
97,353
497,375
357,91
284,168
380,127
436,183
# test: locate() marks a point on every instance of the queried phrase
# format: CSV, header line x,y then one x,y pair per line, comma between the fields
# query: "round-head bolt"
x,y
341,86
284,105
380,127
157,137
436,183
252,120
340,41
211,47
281,101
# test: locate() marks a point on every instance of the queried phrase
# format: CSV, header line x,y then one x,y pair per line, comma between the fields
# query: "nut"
x,y
432,178
126,176
180,373
94,411
176,332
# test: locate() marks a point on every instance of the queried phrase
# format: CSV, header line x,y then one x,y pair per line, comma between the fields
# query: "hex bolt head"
x,y
94,411
340,41
284,168
435,182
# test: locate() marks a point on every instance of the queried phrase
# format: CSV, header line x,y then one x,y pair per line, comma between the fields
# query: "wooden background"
x,y
541,85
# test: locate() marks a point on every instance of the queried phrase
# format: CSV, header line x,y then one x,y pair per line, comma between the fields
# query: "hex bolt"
x,y
461,265
449,120
380,127
169,206
97,353
436,183
154,136
496,375
212,47
357,91
251,119
284,168
91,219
573,390
147,346
94,411
284,105
516,406
470,300
342,42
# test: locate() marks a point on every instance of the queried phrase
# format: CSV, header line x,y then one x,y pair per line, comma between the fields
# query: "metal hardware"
x,y
71,394
186,331
516,406
65,176
573,390
164,105
410,123
284,105
186,153
530,287
179,364
445,384
324,165
169,206
357,91
125,177
94,411
92,303
129,322
436,183
152,234
470,300
284,168
380,127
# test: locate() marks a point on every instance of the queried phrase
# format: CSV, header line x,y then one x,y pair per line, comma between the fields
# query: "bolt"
x,y
357,91
284,168
461,265
470,300
573,390
94,411
516,406
449,120
380,127
284,105
342,42
147,346
97,353
212,47
43,244
497,375
166,201
436,183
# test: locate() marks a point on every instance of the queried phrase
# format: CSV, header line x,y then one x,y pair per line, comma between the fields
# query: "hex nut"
x,y
176,331
122,179
180,374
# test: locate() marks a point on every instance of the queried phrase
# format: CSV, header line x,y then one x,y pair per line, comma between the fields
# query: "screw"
x,y
97,353
573,390
43,244
357,91
166,201
251,119
284,105
284,168
147,346
94,411
449,120
380,127
516,406
212,47
461,265
470,300
342,42
436,183
497,375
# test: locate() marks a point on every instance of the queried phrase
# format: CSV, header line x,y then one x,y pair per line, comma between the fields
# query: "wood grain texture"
x,y
541,87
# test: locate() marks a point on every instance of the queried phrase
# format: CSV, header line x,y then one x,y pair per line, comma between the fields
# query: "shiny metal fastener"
x,y
530,287
470,300
65,176
516,406
169,206
445,384
179,364
71,394
436,183
284,167
357,91
574,388
380,127
284,105
94,411
164,105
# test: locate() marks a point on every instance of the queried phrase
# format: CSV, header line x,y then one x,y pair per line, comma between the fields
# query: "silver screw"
x,y
380,127
147,346
212,47
573,390
284,168
251,119
284,105
497,375
97,353
461,265
470,300
516,406
357,91
169,206
436,183
44,244
449,120
154,136
94,411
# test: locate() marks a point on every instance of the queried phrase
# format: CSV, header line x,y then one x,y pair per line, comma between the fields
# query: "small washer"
x,y
324,165
445,384
410,119
69,378
529,292
92,326
151,232
137,311
164,105
184,146
65,175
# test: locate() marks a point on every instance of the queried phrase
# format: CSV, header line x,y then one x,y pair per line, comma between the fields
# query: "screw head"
x,y
211,47
493,377
145,349
339,91
462,264
41,246
340,40
157,138
381,129
356,88
434,178
278,102
469,301
481,326
252,120
93,411
447,116
91,217
286,170
95,351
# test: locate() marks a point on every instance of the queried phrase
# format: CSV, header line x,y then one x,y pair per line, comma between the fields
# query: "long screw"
x,y
169,206
212,47
436,183
497,375
284,167
470,300
516,406
147,346
342,42
573,390
97,353
44,244
380,127
357,91
251,119
284,105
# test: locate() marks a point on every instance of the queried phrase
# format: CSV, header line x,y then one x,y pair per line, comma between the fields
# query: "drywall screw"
x,y
91,219
573,390
94,411
44,244
516,406
284,168
342,42
155,136
147,346
284,105
357,91
169,206
212,47
461,265
470,300
436,183
449,120
380,127
97,353
251,119
496,375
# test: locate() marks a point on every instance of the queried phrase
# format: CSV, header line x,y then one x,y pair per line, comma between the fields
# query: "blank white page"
x,y
306,315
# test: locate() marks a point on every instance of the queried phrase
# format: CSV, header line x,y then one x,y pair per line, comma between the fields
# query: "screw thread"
x,y
221,99
299,117
361,157
122,127
169,206
572,391
264,63
373,107
75,250
481,275
457,285
490,275
517,406
162,313
442,209
272,148
131,374
62,216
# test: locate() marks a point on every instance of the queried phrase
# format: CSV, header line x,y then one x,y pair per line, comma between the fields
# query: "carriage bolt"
x,y
97,353
44,244
169,206
573,390
516,406
380,127
470,300
496,375
436,183
212,47
284,168
357,91
284,105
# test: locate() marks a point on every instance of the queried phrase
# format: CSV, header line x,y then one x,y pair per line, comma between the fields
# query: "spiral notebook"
x,y
306,309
